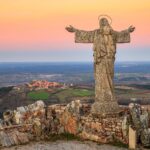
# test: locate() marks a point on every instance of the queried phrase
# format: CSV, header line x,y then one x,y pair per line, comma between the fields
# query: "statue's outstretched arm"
x,y
124,35
71,29
82,36
131,28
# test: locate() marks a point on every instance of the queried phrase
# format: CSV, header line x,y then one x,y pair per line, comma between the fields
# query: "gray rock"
x,y
145,137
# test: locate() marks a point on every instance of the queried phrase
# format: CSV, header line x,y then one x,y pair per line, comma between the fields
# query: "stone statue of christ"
x,y
104,41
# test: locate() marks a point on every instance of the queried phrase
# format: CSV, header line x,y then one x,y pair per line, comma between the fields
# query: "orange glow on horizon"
x,y
30,23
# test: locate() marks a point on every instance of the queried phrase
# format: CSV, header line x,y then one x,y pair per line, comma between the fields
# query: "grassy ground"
x,y
62,94
66,95
38,95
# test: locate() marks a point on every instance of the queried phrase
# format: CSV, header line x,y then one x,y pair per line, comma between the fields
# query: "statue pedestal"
x,y
104,108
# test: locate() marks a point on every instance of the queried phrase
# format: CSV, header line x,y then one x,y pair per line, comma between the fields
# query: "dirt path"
x,y
64,145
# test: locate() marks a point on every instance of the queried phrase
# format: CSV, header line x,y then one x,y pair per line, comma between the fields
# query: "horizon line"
x,y
66,61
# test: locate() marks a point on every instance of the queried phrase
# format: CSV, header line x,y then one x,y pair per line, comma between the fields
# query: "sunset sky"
x,y
34,30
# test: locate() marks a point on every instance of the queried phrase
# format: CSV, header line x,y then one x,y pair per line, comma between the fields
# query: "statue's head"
x,y
103,22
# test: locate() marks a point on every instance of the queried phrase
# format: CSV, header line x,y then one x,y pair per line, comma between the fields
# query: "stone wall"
x,y
80,122
38,122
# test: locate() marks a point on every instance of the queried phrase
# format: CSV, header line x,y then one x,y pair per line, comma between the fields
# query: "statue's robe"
x,y
104,47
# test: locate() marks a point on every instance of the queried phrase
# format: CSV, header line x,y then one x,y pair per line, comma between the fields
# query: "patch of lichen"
x,y
63,136
118,144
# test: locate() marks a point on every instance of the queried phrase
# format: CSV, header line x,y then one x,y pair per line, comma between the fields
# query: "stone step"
x,y
13,137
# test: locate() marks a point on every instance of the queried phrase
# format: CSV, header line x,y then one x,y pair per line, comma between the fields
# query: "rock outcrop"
x,y
37,122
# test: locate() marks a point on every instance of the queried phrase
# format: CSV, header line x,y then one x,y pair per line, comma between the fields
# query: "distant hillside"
x,y
77,73
12,97
70,67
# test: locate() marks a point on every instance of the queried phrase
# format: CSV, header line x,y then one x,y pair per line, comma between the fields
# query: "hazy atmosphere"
x,y
34,30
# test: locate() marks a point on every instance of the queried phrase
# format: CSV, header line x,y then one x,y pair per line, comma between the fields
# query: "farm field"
x,y
124,94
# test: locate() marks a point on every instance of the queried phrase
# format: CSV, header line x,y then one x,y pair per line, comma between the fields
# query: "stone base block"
x,y
105,108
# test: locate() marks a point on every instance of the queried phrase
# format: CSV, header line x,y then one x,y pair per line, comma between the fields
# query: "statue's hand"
x,y
70,29
131,29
